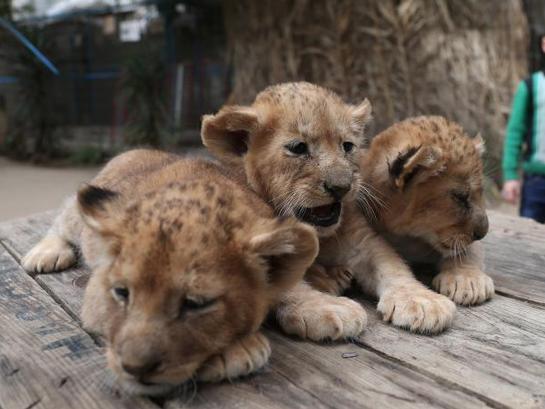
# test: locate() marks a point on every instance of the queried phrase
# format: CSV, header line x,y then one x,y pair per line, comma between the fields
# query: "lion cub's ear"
x,y
361,115
416,164
100,209
288,247
226,133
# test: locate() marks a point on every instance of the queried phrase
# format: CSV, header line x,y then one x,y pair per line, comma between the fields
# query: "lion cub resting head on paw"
x,y
186,264
425,179
185,271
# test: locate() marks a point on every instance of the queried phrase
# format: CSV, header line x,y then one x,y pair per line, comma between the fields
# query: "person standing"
x,y
526,129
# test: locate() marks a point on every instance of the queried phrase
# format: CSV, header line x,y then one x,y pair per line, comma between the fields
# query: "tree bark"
x,y
458,58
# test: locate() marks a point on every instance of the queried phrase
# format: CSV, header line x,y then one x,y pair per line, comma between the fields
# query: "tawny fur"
x,y
176,230
435,212
254,140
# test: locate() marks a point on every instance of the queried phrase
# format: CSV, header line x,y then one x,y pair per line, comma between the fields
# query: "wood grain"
x,y
496,350
369,376
515,256
46,360
20,235
265,390
303,374
494,356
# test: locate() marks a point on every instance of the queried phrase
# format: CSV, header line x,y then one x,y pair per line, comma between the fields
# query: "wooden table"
x,y
493,356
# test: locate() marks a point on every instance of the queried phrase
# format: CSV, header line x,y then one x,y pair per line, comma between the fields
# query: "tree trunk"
x,y
458,58
535,11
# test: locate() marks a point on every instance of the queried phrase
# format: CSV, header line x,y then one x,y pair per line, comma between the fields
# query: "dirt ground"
x,y
27,189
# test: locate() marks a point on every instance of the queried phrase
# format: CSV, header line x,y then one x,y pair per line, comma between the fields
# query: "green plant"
x,y
31,124
5,8
143,88
88,155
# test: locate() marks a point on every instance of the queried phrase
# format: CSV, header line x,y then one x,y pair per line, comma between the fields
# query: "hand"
x,y
511,191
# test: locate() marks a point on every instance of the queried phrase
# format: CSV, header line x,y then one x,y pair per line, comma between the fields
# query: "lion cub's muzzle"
x,y
329,214
322,216
480,226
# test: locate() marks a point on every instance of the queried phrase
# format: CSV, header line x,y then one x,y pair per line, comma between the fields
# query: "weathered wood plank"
x,y
366,380
515,256
496,350
46,360
20,235
266,390
320,373
300,374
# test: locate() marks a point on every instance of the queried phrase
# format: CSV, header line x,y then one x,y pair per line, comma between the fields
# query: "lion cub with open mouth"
x,y
186,264
297,146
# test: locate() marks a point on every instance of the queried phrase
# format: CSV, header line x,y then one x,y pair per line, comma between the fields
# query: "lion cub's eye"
x,y
195,305
121,294
299,148
348,147
462,198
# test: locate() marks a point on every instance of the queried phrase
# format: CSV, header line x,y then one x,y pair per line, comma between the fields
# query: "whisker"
x,y
183,389
373,196
367,208
369,203
375,193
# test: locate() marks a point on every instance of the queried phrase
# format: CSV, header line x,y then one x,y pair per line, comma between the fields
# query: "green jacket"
x,y
526,126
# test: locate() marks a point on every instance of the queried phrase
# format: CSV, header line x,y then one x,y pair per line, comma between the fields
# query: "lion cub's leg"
x,y
403,300
463,280
56,250
311,314
241,358
332,280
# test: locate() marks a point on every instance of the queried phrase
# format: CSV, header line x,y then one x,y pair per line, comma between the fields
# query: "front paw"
x,y
321,317
465,286
242,358
331,280
417,309
52,253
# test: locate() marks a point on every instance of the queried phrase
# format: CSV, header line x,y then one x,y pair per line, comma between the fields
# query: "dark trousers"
x,y
532,202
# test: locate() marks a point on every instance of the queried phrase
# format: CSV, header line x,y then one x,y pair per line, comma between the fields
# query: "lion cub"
x,y
424,192
297,147
186,264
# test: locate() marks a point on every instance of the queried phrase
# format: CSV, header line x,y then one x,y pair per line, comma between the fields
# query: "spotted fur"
x,y
186,264
431,204
281,117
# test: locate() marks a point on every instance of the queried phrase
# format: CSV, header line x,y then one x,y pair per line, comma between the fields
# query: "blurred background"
x,y
81,80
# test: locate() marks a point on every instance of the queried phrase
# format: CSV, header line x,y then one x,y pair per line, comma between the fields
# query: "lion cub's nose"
x,y
481,228
141,369
337,191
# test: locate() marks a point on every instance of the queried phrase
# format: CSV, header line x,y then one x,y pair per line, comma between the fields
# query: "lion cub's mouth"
x,y
322,216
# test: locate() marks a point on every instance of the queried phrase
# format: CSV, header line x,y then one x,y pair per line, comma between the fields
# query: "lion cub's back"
x,y
137,172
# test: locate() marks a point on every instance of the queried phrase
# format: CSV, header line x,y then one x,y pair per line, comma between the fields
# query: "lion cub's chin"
x,y
327,231
161,383
325,219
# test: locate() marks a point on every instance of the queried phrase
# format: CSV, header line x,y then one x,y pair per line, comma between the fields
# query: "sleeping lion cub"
x,y
426,175
186,264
